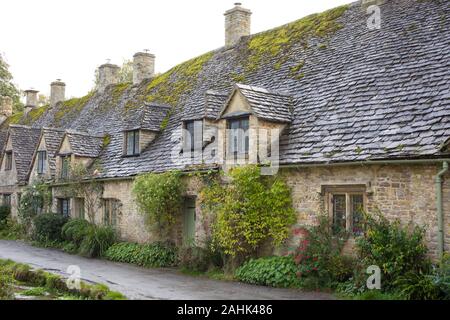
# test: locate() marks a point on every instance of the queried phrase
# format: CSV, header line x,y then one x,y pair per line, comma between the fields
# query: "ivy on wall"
x,y
249,211
160,200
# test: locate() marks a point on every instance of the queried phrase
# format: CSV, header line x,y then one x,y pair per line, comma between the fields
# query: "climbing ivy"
x,y
249,211
159,198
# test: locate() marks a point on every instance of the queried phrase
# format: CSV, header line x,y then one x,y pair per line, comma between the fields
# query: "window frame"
x,y
65,163
136,143
192,148
61,207
110,212
5,202
349,192
79,207
8,160
230,136
41,159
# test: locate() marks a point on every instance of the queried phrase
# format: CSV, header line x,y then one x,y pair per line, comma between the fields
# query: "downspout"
x,y
440,213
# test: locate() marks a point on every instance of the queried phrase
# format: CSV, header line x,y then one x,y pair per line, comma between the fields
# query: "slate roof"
x,y
268,105
360,94
84,144
147,117
24,142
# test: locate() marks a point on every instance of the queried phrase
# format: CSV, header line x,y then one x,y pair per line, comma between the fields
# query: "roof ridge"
x,y
264,90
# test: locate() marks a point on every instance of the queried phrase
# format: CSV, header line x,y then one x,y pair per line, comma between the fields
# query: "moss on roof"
x,y
71,108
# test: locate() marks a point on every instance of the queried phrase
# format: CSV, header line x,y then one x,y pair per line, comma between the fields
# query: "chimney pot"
x,y
108,74
143,66
237,24
57,92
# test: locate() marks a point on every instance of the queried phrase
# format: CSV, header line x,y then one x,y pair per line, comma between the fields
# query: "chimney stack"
x,y
31,99
6,108
57,92
108,74
237,24
143,67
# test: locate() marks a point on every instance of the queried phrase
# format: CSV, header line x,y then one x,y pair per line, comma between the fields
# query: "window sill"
x,y
131,156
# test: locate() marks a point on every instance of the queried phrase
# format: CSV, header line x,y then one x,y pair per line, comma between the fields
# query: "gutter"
x,y
440,211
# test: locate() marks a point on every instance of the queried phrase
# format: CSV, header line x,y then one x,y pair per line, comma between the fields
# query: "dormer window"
x,y
65,160
132,143
41,158
238,138
8,160
193,137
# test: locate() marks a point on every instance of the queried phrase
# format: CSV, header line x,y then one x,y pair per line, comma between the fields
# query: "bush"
x,y
273,271
75,231
319,256
47,227
6,289
5,211
195,259
97,240
12,230
156,255
396,250
417,286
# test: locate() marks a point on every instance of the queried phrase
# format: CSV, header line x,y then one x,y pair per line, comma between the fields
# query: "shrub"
x,y
319,256
6,289
47,227
75,231
160,199
249,212
273,271
97,240
5,211
417,286
395,249
12,230
195,258
156,255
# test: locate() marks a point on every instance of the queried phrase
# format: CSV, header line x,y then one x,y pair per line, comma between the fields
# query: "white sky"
x,y
48,39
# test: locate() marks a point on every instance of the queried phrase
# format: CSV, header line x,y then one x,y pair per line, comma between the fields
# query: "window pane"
x,y
357,209
339,212
130,143
136,143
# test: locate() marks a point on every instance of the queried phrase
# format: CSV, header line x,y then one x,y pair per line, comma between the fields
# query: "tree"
x,y
125,74
7,88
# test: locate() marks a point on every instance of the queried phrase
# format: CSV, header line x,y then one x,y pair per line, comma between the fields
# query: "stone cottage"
x,y
352,114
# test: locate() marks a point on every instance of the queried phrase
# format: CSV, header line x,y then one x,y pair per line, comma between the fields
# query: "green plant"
x,y
97,240
249,212
5,212
12,230
35,292
319,255
272,271
34,200
47,227
195,258
160,199
6,290
397,250
155,255
417,286
75,231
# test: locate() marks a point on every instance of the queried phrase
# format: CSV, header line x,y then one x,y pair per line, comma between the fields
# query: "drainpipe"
x,y
440,213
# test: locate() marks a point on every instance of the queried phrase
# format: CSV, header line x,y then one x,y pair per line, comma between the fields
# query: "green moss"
x,y
359,150
72,107
119,89
238,78
34,115
274,42
322,46
170,86
15,118
294,70
106,140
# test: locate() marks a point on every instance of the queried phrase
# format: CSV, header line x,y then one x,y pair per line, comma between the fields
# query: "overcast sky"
x,y
43,40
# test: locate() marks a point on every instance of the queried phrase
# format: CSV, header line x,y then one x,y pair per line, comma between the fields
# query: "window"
x,y
79,208
41,157
193,139
8,160
64,207
238,138
110,211
65,167
346,207
7,200
132,143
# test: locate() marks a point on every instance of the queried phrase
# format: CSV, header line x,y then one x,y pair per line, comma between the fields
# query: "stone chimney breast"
x,y
108,74
57,92
143,67
6,106
237,24
31,98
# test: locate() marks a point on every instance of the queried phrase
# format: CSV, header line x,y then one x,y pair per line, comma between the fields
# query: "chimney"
x,y
57,92
237,24
6,107
108,74
31,99
143,66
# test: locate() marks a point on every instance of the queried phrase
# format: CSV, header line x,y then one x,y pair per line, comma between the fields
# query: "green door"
x,y
189,222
